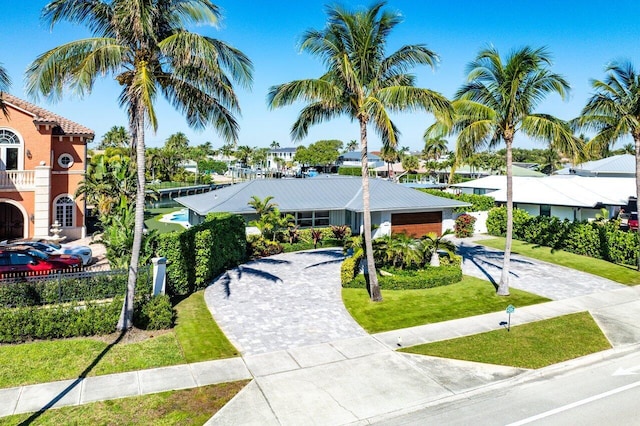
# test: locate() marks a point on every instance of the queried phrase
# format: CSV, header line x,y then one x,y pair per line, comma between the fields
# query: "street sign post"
x,y
510,310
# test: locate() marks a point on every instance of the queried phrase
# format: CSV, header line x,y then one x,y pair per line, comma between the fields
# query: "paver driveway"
x,y
282,302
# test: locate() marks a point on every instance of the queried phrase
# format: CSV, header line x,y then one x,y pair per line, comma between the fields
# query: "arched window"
x,y
65,208
11,157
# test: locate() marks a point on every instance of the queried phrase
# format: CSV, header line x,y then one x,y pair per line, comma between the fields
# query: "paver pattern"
x,y
282,302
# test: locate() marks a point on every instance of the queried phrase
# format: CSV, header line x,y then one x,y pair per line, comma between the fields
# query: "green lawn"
x,y
619,273
152,220
532,345
408,308
196,337
183,407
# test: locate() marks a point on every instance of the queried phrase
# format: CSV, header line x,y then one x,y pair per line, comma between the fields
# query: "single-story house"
x,y
566,197
623,166
325,201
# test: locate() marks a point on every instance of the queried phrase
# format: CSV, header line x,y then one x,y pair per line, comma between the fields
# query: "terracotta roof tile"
x,y
64,126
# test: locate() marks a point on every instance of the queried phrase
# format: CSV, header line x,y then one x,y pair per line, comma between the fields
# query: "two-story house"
x,y
42,163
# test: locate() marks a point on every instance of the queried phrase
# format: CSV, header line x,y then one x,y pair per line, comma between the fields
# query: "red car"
x,y
633,221
23,260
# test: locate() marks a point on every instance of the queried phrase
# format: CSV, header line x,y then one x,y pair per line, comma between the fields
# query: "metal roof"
x,y
319,193
624,164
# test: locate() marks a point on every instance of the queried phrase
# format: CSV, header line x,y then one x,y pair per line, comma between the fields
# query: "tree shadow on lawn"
x,y
32,418
482,258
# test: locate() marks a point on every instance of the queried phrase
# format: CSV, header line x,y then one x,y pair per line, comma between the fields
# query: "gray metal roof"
x,y
319,193
616,164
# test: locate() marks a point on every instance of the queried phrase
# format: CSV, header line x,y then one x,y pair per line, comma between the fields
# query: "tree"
x,y
362,83
116,137
431,243
496,103
352,145
614,112
410,163
390,156
5,82
274,145
262,207
243,154
434,148
144,44
321,153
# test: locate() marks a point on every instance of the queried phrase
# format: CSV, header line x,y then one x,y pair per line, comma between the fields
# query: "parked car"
x,y
24,259
83,252
633,221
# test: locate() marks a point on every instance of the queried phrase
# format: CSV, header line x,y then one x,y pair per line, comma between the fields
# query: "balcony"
x,y
17,180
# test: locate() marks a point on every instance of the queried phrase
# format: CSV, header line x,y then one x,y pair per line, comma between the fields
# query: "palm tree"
x,y
262,207
243,154
362,83
390,156
434,148
5,82
496,103
410,163
145,46
352,145
274,145
431,243
614,112
116,137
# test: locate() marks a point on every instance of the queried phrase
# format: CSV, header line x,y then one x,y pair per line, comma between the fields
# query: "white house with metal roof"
x,y
324,201
615,166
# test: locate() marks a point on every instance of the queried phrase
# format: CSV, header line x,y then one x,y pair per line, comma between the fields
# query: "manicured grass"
x,y
618,273
408,308
152,220
532,345
183,407
195,338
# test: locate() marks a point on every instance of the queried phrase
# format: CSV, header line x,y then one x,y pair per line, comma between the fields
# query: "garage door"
x,y
416,224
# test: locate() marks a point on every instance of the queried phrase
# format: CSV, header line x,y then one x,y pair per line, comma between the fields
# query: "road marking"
x,y
626,371
574,404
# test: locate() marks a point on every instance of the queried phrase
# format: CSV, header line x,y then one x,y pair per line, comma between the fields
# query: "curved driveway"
x,y
282,302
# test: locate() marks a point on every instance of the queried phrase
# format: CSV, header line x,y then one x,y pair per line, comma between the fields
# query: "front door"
x,y
11,222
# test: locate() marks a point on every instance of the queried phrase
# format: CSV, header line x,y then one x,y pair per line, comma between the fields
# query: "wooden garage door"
x,y
416,224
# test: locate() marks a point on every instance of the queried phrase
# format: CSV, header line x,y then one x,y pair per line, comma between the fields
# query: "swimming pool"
x,y
180,217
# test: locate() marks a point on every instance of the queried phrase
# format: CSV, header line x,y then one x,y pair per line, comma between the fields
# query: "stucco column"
x,y
42,203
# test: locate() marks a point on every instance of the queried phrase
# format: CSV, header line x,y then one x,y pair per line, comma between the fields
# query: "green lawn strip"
x,y
618,273
200,337
408,308
532,345
195,338
183,407
153,216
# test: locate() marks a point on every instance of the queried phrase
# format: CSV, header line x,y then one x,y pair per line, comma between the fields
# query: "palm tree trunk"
x,y
636,139
374,288
503,286
126,316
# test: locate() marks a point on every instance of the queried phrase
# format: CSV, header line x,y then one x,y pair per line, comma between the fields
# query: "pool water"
x,y
180,217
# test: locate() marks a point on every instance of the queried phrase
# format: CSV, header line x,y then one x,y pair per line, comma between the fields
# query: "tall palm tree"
x,y
144,45
390,156
362,83
352,145
5,82
614,112
274,145
434,148
496,103
116,137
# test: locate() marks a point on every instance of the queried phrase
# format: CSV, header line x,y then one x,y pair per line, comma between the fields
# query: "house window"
x,y
479,191
314,218
64,207
65,160
321,218
545,210
10,150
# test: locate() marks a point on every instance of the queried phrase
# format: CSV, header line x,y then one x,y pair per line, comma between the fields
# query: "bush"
x,y
154,313
497,220
349,269
349,171
413,280
464,225
479,203
258,246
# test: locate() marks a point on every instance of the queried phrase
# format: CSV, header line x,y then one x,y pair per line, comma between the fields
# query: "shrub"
x,y
412,280
497,220
350,171
349,269
464,225
258,246
340,232
154,313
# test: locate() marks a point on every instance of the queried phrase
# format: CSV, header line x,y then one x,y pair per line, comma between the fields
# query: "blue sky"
x,y
582,36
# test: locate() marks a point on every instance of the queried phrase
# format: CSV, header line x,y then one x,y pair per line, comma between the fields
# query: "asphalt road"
x,y
606,392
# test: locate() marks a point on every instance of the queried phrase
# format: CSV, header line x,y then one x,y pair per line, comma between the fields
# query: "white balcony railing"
x,y
17,179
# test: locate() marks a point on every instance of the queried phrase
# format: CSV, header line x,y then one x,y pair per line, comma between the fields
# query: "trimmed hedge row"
x,y
600,240
479,203
200,253
413,280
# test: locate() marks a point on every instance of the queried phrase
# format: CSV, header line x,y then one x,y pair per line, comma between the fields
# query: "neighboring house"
x,y
285,154
325,201
615,166
353,159
42,162
566,197
190,166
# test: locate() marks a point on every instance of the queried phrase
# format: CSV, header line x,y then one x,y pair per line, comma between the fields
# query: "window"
x,y
10,150
64,207
315,218
545,210
65,160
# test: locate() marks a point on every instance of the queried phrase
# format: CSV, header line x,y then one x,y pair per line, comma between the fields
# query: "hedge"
x,y
600,240
200,253
412,280
479,203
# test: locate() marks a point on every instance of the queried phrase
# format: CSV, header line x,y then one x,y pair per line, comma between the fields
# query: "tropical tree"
x,y
432,243
498,102
144,44
434,148
116,137
352,145
614,112
410,163
390,156
262,207
362,83
243,154
5,82
274,145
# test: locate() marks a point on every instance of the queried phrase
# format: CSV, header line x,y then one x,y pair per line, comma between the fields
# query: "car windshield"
x,y
634,216
39,254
